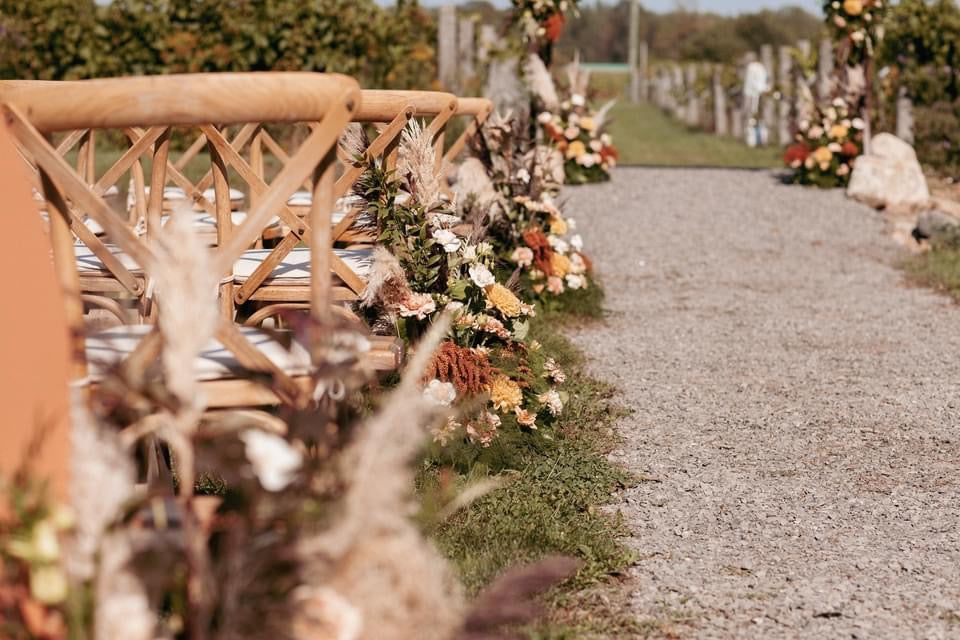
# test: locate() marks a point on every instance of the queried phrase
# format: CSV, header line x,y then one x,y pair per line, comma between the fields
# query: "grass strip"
x,y
550,503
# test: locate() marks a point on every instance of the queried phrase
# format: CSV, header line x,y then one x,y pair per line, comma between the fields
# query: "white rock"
x,y
889,176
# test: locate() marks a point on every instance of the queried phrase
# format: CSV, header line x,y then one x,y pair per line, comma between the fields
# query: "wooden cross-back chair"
x,y
150,107
389,112
478,110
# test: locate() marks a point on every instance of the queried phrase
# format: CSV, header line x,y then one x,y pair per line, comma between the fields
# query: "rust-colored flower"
x,y
542,251
468,370
553,26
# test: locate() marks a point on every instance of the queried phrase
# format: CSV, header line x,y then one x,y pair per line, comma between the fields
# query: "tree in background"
x,y
47,39
922,48
65,39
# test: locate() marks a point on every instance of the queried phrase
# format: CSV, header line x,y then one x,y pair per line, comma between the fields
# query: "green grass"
x,y
554,486
647,136
938,268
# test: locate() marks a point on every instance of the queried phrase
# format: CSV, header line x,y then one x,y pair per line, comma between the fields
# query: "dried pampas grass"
x,y
577,76
541,82
387,283
416,165
374,556
354,141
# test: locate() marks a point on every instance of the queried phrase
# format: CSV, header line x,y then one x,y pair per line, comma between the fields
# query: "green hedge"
x,y
922,46
69,39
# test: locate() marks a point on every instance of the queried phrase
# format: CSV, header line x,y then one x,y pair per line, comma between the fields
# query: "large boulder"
x,y
889,176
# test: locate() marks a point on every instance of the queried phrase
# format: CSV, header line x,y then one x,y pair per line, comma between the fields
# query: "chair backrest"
x,y
478,110
147,109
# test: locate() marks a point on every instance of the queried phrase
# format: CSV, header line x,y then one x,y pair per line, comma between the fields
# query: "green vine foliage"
x,y
387,47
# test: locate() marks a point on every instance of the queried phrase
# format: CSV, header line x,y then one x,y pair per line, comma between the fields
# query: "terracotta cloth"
x,y
34,356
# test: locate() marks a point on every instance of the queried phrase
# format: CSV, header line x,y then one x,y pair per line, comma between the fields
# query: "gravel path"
x,y
796,410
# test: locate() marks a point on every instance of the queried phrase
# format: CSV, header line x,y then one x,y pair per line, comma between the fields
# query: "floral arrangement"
x,y
856,23
573,127
827,146
530,233
542,20
428,262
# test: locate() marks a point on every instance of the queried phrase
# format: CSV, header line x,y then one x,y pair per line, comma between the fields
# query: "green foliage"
x,y
922,43
47,39
938,268
553,488
61,39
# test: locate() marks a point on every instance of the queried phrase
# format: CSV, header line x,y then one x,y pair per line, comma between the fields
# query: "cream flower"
x,y
577,100
551,400
441,394
481,276
274,461
571,133
555,285
545,117
448,239
576,242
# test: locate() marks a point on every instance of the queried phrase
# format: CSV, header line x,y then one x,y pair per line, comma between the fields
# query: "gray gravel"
x,y
796,410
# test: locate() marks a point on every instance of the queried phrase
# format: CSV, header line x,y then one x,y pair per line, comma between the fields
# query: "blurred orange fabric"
x,y
34,367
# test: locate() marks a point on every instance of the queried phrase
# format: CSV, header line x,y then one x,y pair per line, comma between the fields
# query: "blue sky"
x,y
717,6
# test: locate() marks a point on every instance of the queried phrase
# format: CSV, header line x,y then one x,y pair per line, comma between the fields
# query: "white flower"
x,y
574,120
858,36
596,146
815,132
587,160
571,133
835,147
558,244
832,114
577,242
523,176
839,103
454,307
606,139
522,256
545,117
574,281
571,224
858,123
481,276
551,399
449,240
469,252
577,100
577,265
274,461
441,394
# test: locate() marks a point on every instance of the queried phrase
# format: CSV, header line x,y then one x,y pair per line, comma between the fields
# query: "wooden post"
x,y
488,42
784,81
801,89
467,46
633,55
644,71
768,107
904,116
721,127
693,96
825,70
679,108
447,46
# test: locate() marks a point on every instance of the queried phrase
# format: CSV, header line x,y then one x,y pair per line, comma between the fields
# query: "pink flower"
x,y
420,305
523,256
555,285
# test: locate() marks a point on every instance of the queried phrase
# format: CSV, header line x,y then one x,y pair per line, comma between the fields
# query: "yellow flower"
x,y
560,265
839,132
505,394
588,124
558,226
504,300
576,149
853,7
823,155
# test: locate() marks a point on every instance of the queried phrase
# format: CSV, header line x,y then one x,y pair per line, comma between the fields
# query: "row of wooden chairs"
x,y
265,257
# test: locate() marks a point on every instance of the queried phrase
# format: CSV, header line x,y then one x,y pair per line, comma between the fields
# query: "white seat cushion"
x,y
207,221
295,267
235,195
87,262
108,348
